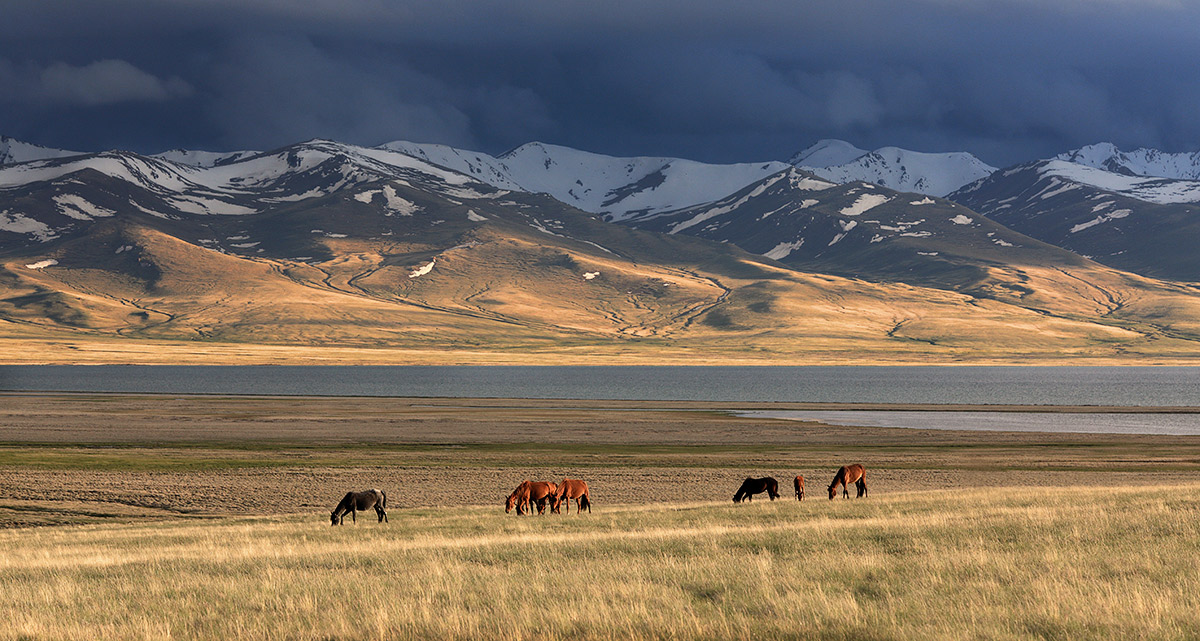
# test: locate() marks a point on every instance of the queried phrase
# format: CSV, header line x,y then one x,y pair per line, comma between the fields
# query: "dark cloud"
x,y
703,79
104,82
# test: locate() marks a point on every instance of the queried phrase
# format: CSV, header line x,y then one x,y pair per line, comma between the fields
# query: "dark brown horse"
x,y
846,475
572,489
360,501
799,488
528,494
750,487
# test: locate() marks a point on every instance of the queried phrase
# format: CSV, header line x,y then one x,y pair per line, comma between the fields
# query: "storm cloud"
x,y
716,81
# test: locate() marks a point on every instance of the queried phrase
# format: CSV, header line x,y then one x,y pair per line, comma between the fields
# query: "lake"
x,y
1100,423
1133,386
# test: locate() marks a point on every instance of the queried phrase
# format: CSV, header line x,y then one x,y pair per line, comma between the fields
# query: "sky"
x,y
716,81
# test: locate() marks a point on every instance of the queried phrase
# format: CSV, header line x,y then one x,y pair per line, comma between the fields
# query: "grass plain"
x,y
195,517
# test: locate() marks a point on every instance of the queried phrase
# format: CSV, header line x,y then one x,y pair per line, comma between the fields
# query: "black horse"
x,y
751,487
356,501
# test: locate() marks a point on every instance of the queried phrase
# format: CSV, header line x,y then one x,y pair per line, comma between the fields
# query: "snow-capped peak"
x,y
933,174
13,151
827,153
614,187
1139,162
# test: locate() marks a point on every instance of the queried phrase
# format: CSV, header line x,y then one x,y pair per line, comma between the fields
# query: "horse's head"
x,y
832,493
333,518
510,502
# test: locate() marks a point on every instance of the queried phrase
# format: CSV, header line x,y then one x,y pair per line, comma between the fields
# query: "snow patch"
x,y
474,217
590,275
924,201
961,220
865,203
781,251
21,224
42,264
1101,219
80,209
423,269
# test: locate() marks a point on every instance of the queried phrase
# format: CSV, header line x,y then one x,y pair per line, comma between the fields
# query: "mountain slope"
x,y
324,244
859,229
1139,162
864,231
615,188
1147,225
204,158
924,173
14,151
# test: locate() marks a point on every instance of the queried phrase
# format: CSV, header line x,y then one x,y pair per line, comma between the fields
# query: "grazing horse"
x,y
572,489
518,499
751,487
799,488
541,493
846,475
360,501
528,494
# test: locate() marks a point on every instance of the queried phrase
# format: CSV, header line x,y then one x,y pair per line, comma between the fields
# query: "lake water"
x,y
1172,424
1135,386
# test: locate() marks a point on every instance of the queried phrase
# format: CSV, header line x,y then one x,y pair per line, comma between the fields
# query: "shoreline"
x,y
516,403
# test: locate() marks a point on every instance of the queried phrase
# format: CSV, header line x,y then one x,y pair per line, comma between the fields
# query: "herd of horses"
x,y
846,475
539,495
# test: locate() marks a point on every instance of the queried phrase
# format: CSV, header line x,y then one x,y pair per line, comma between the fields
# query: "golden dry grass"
x,y
1000,563
507,300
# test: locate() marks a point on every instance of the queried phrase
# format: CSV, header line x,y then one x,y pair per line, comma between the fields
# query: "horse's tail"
x,y
383,499
585,503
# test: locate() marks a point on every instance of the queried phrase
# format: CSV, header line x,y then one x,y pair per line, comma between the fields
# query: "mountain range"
x,y
417,245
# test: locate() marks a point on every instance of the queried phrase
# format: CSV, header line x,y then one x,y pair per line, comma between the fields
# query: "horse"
x,y
541,493
799,488
846,475
518,499
572,489
530,493
356,501
751,487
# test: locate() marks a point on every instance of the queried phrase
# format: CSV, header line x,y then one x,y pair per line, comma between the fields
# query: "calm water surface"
x,y
1172,424
1136,386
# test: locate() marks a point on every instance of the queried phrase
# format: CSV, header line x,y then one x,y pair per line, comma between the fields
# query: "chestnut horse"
x,y
799,488
541,493
750,487
356,501
572,489
529,493
846,475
